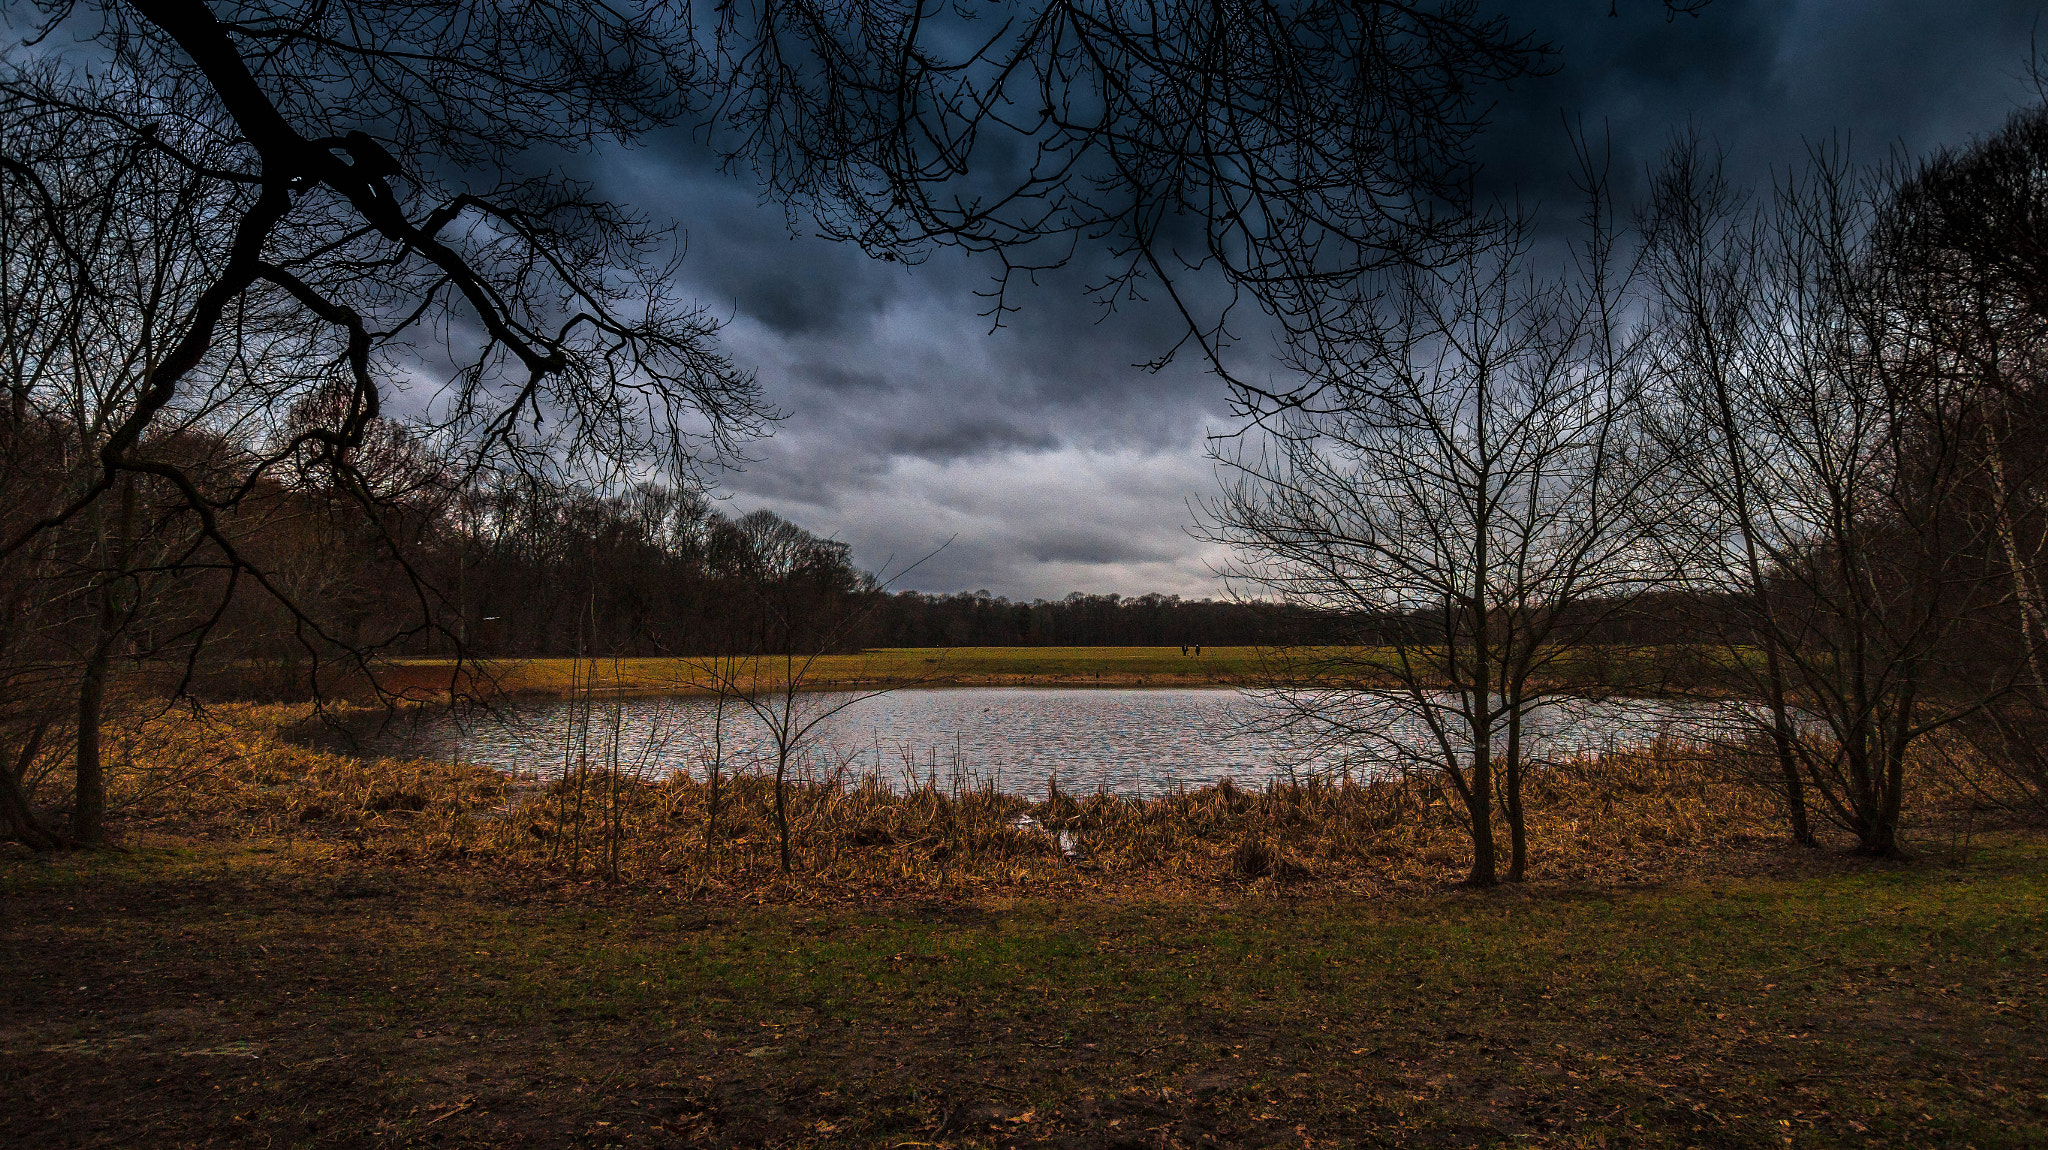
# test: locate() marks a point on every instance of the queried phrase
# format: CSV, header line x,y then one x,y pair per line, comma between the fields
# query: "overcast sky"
x,y
1054,465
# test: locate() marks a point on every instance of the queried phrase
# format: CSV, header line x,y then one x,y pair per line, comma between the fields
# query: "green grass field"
x,y
231,995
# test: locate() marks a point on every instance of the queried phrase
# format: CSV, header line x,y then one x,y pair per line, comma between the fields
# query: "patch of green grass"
x,y
1881,1005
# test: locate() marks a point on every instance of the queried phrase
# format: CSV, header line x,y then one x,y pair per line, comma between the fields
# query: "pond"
x,y
1136,741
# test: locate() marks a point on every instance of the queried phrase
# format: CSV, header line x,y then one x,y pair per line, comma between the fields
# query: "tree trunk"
x,y
1877,830
781,813
1511,804
1879,837
717,767
1479,809
711,820
1885,843
1789,779
2033,617
89,808
17,817
1869,785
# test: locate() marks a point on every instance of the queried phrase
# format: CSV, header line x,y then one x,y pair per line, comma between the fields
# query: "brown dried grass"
x,y
1628,817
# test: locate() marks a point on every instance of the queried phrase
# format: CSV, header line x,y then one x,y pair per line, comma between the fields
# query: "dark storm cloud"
x,y
1079,544
955,437
1762,79
838,380
1055,464
792,305
746,256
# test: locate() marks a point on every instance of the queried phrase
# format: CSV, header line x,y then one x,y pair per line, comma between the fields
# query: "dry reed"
x,y
1628,816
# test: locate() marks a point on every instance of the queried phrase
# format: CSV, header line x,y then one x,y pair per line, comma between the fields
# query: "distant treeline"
x,y
656,571
978,619
524,570
649,572
521,569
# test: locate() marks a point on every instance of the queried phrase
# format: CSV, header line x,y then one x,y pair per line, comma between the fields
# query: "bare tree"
x,y
1470,487
1213,153
1707,248
544,315
229,260
1847,454
795,628
96,271
1965,236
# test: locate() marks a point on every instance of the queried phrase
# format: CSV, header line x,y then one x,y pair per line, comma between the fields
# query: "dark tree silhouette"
x,y
1964,240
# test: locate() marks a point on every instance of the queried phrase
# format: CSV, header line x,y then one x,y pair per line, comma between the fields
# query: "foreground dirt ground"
x,y
250,995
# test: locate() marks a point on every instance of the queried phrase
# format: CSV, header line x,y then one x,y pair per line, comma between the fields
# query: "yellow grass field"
x,y
1629,670
892,667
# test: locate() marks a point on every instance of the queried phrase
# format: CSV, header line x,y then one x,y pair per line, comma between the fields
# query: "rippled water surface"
x,y
1141,741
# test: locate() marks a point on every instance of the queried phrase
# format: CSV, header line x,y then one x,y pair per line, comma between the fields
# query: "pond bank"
x,y
1649,814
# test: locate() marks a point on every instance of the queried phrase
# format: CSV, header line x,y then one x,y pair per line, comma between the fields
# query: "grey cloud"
x,y
1026,524
1068,545
796,305
752,258
843,381
953,438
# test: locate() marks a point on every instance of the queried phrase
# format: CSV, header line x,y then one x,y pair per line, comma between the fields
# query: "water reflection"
x,y
1139,741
